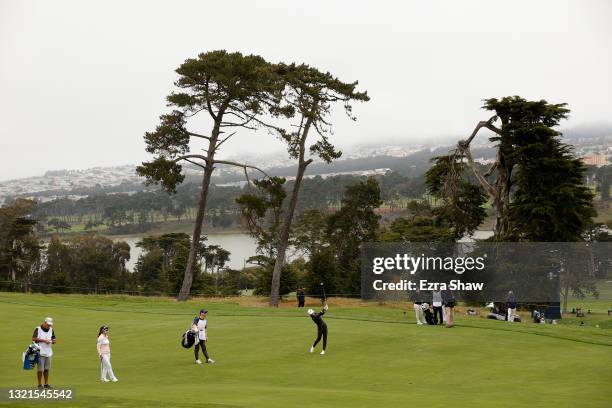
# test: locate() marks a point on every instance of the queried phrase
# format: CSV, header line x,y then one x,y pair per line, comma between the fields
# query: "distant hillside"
x,y
406,160
584,132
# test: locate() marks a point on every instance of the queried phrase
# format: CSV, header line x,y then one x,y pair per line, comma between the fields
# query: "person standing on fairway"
x,y
321,328
417,300
44,336
199,324
449,307
436,301
301,297
511,306
104,355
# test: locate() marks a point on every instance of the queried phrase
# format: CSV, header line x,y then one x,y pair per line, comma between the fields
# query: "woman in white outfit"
x,y
104,354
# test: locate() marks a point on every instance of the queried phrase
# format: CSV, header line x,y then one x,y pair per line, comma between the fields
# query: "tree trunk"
x,y
197,232
501,203
500,192
565,296
284,237
197,228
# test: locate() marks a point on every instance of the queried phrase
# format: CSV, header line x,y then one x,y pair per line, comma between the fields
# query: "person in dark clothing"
x,y
301,297
511,307
436,301
321,328
449,307
429,316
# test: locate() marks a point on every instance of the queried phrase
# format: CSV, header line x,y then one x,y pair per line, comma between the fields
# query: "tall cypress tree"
x,y
536,183
311,94
232,91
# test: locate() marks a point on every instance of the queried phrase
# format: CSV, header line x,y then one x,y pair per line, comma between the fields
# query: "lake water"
x,y
479,234
241,246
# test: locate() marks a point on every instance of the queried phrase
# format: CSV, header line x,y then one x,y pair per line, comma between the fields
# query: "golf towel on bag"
x,y
188,339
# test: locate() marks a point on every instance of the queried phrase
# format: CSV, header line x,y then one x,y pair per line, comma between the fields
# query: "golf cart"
x,y
499,312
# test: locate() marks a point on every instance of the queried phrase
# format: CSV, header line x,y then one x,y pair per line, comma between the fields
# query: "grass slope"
x,y
377,356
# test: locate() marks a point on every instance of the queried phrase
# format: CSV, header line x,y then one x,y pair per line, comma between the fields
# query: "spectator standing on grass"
x,y
301,297
436,301
103,347
417,300
511,305
449,307
44,337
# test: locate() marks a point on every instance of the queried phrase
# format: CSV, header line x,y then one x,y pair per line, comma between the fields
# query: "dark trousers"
x,y
438,311
429,317
300,301
201,344
321,332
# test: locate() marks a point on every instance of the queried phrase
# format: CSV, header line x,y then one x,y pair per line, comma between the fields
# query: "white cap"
x,y
49,321
310,311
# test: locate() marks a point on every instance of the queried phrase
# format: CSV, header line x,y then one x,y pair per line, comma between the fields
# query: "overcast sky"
x,y
81,81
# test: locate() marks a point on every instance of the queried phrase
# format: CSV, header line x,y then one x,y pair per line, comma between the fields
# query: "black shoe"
x,y
40,386
48,386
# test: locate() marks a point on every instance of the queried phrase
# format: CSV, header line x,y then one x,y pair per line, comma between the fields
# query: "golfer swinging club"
x,y
321,328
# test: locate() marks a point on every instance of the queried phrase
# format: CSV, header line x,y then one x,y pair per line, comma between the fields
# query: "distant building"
x,y
484,161
397,151
595,160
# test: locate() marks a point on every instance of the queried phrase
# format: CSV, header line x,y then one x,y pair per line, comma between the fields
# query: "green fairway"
x,y
377,356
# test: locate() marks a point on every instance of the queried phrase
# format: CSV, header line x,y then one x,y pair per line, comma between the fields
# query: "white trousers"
x,y
511,313
107,369
418,311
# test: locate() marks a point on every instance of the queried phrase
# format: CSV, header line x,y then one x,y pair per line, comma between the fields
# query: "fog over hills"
x,y
408,159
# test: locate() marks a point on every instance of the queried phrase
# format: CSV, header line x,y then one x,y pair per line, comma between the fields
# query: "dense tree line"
x,y
331,240
20,248
91,263
139,212
325,245
84,263
601,179
160,267
88,261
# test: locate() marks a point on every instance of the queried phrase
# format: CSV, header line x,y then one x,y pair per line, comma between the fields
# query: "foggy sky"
x,y
81,81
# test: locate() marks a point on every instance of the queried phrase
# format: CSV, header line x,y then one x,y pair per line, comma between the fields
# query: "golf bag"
x,y
496,312
30,356
188,339
538,317
429,316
